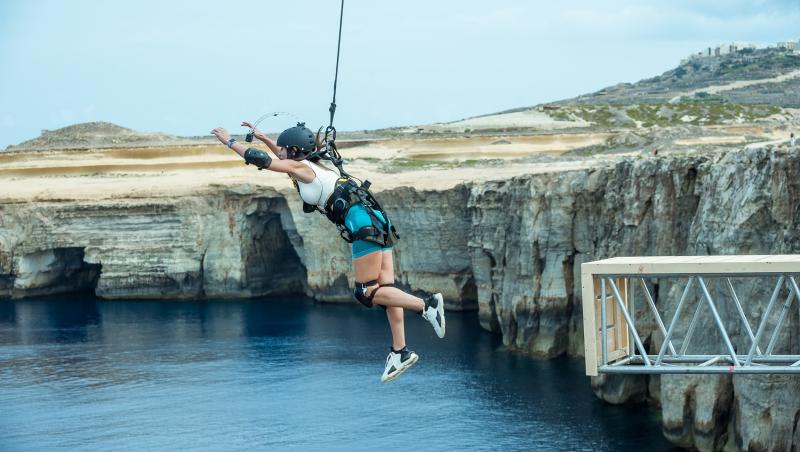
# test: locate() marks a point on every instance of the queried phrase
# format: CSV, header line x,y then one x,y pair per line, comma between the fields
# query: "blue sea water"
x,y
79,374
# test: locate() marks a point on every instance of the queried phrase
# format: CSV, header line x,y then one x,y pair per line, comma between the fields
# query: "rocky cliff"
x,y
513,248
527,271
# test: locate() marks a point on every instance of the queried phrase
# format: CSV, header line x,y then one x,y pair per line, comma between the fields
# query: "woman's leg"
x,y
380,265
368,268
395,314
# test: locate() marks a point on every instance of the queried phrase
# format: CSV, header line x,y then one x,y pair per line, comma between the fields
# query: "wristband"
x,y
230,143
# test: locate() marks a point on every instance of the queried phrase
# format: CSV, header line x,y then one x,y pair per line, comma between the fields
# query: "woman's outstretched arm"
x,y
264,161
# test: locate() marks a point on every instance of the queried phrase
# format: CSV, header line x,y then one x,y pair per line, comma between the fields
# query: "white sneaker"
x,y
397,363
434,313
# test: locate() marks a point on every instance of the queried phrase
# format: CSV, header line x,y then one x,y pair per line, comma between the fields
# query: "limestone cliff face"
x,y
230,244
527,269
512,248
531,235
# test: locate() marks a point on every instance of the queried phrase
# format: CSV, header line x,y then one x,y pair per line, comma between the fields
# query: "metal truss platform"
x,y
614,344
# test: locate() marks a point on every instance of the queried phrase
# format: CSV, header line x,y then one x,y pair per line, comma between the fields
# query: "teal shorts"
x,y
356,218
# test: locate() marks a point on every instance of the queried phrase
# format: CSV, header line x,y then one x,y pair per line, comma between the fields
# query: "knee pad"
x,y
360,292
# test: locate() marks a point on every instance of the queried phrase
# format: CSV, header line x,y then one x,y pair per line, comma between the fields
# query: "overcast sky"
x,y
186,67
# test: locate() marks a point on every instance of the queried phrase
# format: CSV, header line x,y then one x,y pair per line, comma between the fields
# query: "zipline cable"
x,y
332,108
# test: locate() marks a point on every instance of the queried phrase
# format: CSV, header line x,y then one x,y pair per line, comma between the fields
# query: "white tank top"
x,y
318,190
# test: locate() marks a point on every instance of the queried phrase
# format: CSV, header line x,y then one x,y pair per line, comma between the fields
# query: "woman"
x,y
368,228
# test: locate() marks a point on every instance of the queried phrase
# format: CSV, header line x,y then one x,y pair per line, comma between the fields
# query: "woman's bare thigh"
x,y
387,268
368,267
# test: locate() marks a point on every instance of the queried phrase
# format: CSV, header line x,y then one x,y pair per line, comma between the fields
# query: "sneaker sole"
x,y
401,370
440,310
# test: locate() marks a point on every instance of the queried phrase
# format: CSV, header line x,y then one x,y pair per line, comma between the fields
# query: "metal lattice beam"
x,y
603,282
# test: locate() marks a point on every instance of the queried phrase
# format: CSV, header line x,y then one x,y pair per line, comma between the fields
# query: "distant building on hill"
x,y
724,49
720,50
734,47
743,46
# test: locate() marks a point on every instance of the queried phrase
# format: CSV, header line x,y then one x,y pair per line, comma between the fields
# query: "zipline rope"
x,y
332,108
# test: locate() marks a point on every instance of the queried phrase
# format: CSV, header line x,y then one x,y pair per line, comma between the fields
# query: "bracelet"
x,y
230,143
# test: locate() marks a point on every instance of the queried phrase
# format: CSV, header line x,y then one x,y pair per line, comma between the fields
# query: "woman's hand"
x,y
221,134
256,133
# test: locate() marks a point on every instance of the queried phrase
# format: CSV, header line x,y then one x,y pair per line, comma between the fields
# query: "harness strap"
x,y
380,286
370,202
365,233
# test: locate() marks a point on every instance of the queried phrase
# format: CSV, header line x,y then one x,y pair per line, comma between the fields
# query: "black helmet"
x,y
298,141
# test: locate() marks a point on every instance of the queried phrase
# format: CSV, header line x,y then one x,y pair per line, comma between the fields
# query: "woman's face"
x,y
282,153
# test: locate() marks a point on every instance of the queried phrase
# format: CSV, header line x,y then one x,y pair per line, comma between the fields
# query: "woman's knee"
x,y
364,292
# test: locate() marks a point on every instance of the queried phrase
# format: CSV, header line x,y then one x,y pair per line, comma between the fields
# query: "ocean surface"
x,y
78,374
